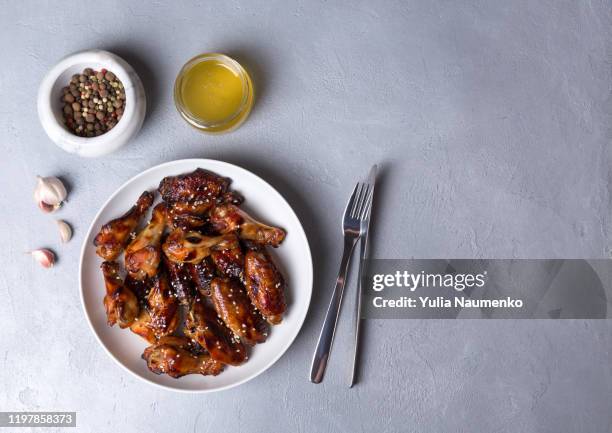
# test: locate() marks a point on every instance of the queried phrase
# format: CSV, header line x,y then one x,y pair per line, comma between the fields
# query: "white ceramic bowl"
x,y
292,256
50,107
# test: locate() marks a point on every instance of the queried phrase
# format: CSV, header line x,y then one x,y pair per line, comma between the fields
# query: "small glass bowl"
x,y
231,122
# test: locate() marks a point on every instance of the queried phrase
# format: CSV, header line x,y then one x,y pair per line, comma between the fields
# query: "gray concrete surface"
x,y
492,121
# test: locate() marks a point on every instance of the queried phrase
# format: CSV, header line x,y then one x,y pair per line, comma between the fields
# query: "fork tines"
x,y
361,201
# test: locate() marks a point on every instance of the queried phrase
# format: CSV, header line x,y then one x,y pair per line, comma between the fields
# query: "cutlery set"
x,y
355,226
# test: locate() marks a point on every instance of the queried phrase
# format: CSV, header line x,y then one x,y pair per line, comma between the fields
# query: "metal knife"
x,y
363,246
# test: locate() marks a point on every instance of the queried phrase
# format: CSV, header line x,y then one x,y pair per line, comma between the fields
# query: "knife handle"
x,y
321,355
357,313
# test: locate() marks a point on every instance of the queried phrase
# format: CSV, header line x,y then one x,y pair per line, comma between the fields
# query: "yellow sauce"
x,y
215,93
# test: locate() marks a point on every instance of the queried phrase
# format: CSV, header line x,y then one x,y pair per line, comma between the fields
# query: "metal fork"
x,y
356,211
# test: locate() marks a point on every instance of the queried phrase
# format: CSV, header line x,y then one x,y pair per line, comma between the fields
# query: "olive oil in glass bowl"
x,y
213,93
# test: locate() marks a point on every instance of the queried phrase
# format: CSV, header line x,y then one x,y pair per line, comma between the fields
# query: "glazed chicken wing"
x,y
177,356
235,309
229,258
115,234
184,220
181,281
138,287
160,317
204,326
143,254
265,285
226,218
190,196
142,326
200,187
120,303
162,306
202,274
192,247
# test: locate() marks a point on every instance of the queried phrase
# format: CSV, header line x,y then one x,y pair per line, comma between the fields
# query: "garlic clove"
x,y
44,257
49,191
65,231
47,208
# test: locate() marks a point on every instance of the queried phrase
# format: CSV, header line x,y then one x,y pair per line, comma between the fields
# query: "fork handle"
x,y
321,355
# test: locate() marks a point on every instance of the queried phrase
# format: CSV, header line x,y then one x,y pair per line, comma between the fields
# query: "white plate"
x,y
293,258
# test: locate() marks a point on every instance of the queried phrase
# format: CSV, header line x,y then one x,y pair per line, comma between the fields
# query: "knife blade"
x,y
363,253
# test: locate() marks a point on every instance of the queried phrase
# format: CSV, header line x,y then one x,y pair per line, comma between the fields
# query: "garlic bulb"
x,y
65,231
44,257
49,193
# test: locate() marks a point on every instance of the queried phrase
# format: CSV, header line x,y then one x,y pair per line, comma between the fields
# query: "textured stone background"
x,y
492,122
